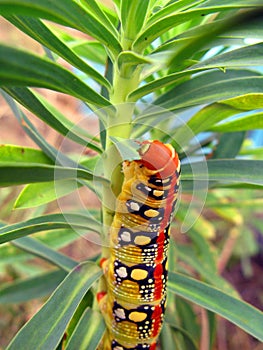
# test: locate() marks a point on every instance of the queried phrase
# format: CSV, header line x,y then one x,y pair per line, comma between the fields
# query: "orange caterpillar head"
x,y
160,157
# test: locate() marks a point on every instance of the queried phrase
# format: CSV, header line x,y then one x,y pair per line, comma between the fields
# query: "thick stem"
x,y
119,125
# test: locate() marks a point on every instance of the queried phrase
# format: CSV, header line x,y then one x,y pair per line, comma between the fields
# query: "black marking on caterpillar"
x,y
136,271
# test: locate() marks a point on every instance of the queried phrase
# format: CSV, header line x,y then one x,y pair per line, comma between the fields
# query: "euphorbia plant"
x,y
174,71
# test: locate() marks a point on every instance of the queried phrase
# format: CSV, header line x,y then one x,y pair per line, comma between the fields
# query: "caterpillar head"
x,y
160,158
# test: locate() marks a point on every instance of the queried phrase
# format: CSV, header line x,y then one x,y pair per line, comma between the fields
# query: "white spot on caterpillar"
x,y
126,236
120,313
122,272
134,206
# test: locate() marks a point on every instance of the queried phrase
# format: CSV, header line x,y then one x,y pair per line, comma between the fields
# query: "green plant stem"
x,y
122,86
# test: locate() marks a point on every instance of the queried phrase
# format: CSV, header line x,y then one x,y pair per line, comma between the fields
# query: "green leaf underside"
x,y
46,328
236,311
47,223
212,93
233,171
21,68
32,288
41,33
205,88
242,57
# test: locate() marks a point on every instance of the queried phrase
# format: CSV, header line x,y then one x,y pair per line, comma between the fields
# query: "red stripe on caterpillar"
x,y
136,271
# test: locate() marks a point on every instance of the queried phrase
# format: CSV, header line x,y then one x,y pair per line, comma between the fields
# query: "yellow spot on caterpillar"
x,y
139,274
158,193
142,240
151,213
137,316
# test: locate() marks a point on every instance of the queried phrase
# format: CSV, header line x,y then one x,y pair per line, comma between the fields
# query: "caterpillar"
x,y
136,270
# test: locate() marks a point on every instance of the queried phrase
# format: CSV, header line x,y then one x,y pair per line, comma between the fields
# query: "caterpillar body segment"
x,y
136,271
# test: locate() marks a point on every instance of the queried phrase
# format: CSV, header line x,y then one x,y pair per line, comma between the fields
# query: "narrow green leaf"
x,y
131,22
189,257
242,57
178,6
95,9
38,105
226,3
254,203
19,154
231,38
203,120
91,50
211,87
167,338
189,48
21,68
233,171
245,102
236,311
187,337
110,13
250,122
88,333
188,317
31,130
167,22
43,251
56,156
58,239
229,145
67,12
251,54
39,286
47,223
46,328
37,194
85,304
24,173
36,29
200,233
